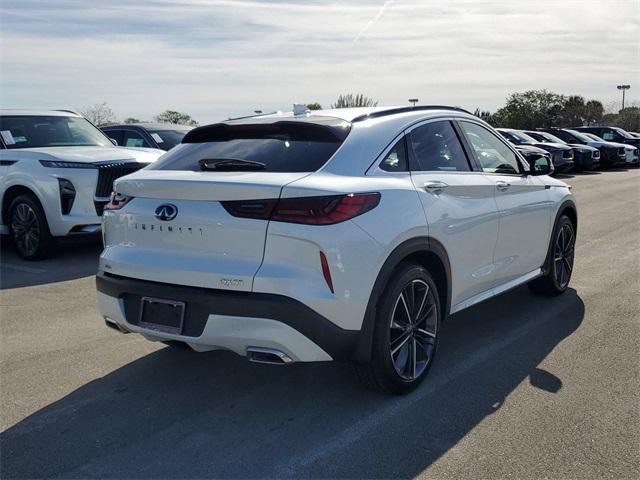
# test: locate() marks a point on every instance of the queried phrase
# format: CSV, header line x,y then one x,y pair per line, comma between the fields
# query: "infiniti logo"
x,y
166,212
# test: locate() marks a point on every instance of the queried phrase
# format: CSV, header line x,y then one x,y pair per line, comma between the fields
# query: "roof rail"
x,y
67,111
393,111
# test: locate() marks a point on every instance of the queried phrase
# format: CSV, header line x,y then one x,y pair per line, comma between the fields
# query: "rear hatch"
x,y
177,225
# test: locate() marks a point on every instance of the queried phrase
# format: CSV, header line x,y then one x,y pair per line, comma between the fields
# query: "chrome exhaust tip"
x,y
268,356
112,324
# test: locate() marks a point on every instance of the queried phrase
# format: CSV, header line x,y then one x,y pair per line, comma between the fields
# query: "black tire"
x,y
29,229
559,264
402,371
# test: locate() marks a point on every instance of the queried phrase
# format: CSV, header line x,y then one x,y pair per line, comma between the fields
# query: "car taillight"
x,y
117,201
325,210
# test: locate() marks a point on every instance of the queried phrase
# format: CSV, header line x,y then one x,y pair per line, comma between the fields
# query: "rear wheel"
x,y
559,262
405,334
29,229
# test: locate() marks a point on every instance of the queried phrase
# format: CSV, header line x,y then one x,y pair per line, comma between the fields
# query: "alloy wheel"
x,y
563,255
413,330
25,229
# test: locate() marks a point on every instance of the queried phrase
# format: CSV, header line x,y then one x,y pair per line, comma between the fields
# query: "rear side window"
x,y
396,159
270,147
435,147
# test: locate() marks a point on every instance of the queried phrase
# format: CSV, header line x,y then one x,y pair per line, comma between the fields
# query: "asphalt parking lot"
x,y
523,386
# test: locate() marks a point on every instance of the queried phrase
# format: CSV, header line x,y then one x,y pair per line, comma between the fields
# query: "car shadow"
x,y
73,258
178,414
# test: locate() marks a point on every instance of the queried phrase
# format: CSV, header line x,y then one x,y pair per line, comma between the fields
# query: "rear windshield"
x,y
273,147
22,131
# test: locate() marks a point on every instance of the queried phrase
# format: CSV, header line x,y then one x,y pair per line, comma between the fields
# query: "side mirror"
x,y
114,141
540,165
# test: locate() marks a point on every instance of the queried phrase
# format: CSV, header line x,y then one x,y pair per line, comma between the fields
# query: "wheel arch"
x,y
10,194
568,208
424,251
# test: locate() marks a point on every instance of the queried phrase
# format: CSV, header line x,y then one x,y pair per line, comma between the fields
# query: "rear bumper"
x,y
221,319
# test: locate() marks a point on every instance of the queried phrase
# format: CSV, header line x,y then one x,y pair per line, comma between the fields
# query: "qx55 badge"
x,y
166,212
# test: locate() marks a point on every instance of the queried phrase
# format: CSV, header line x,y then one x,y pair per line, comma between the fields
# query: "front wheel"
x,y
405,334
559,265
29,229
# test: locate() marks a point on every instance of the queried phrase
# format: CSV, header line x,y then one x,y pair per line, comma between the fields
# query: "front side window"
x,y
494,156
435,147
396,159
117,135
133,139
22,131
608,135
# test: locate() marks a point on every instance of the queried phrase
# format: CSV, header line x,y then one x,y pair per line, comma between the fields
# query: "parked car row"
x,y
578,149
57,170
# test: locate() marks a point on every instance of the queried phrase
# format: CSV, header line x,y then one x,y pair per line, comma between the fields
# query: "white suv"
x,y
338,234
56,175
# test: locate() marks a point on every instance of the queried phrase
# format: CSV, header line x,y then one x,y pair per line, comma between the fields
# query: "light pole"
x,y
623,88
413,101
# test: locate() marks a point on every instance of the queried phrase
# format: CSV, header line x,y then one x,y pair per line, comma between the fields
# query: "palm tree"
x,y
349,100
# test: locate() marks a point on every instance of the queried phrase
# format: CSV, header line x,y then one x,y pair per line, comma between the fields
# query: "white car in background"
x,y
56,175
341,234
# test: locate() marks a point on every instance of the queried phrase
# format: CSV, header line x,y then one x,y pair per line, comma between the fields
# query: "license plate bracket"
x,y
162,315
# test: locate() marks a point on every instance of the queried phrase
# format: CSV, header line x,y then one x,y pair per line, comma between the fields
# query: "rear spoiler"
x,y
295,130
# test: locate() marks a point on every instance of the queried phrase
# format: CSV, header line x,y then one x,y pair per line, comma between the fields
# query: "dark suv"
x,y
153,135
611,154
584,156
561,154
612,134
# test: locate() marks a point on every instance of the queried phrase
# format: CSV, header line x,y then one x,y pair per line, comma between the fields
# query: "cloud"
x,y
221,58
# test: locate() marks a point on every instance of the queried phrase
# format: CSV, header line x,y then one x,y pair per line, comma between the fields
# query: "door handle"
x,y
435,187
502,186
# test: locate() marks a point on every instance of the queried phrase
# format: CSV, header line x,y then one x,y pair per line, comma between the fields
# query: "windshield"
x,y
593,136
549,138
22,131
277,147
579,135
622,132
519,136
167,139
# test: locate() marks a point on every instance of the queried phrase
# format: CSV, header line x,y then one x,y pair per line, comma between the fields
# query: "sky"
x,y
215,59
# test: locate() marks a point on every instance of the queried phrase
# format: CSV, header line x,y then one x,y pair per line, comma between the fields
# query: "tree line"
x,y
522,110
101,114
541,108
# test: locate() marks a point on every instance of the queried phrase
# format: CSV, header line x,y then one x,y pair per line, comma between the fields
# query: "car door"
x,y
459,206
524,205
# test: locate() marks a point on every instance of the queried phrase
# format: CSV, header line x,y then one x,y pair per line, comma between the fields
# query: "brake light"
x,y
325,210
117,201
